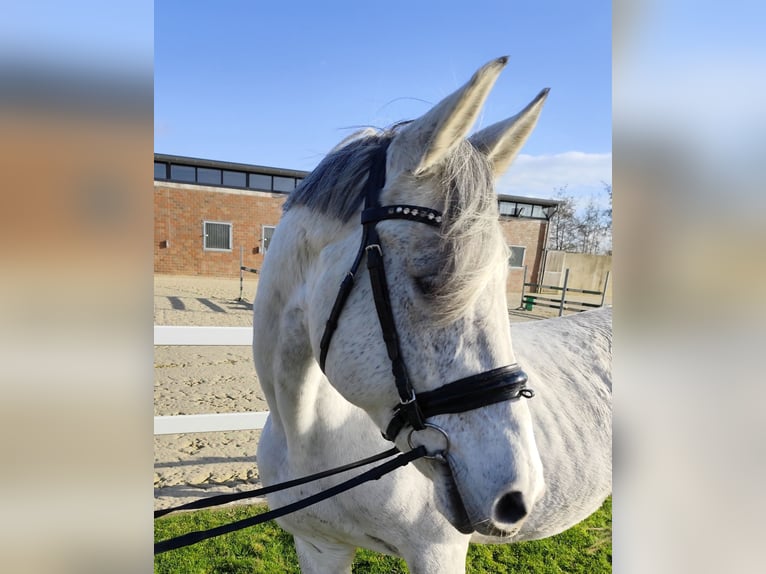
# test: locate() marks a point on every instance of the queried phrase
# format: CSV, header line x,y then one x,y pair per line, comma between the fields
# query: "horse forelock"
x,y
472,248
461,186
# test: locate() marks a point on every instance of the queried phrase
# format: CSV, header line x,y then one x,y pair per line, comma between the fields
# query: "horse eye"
x,y
427,284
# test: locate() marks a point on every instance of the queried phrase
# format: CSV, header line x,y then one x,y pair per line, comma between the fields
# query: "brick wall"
x,y
531,234
179,213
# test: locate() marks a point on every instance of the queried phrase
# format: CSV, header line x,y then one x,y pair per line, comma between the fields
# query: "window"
x,y
216,236
260,181
284,183
234,178
507,208
182,172
524,210
268,231
517,256
160,170
209,175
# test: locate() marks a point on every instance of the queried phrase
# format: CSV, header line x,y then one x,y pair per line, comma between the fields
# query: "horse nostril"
x,y
510,508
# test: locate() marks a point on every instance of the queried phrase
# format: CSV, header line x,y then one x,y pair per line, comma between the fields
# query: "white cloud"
x,y
581,173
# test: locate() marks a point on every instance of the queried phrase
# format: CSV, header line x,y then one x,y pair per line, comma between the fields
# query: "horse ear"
x,y
428,139
503,140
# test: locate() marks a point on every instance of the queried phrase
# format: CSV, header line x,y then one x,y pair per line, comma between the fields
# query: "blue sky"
x,y
280,84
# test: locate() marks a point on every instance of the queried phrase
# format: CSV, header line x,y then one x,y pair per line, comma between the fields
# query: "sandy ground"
x,y
194,380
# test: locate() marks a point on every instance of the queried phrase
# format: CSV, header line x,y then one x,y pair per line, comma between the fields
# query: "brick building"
x,y
524,221
208,214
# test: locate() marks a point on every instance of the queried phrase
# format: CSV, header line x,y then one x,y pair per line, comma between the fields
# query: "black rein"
x,y
375,473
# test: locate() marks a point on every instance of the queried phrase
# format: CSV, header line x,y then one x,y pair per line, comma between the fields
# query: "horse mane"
x,y
336,186
472,246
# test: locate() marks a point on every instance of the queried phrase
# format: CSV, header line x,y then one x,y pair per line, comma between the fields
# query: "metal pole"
x,y
606,282
564,292
241,271
523,285
543,266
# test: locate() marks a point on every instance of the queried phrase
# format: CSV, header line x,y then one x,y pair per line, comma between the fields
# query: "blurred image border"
x,y
76,299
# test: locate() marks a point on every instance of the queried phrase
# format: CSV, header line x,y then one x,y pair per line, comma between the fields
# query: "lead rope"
x,y
372,474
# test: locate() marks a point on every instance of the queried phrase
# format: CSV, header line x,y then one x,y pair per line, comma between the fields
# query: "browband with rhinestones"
x,y
411,212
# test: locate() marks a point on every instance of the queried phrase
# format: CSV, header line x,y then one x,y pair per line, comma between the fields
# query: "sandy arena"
x,y
194,380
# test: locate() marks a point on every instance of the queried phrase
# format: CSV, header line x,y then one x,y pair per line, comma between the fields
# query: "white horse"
x,y
495,480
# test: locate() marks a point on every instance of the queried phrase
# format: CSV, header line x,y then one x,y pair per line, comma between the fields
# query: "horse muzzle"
x,y
501,515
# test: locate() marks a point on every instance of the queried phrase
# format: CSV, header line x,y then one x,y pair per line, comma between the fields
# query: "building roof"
x,y
300,174
523,199
198,162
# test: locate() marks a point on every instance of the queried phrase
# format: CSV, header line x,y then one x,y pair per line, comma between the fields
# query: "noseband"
x,y
493,386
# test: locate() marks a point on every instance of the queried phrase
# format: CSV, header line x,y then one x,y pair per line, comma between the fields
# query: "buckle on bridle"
x,y
376,247
412,412
409,401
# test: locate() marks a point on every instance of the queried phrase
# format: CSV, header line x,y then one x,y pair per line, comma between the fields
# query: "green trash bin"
x,y
529,302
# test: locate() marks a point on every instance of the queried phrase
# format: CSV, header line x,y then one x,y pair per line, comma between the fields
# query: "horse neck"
x,y
301,400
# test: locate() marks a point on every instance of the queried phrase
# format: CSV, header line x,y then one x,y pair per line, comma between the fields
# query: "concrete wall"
x,y
585,271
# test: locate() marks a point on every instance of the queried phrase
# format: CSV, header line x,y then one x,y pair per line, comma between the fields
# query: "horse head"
x,y
445,275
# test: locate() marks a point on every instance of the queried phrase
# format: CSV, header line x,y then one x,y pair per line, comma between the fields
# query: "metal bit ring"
x,y
438,455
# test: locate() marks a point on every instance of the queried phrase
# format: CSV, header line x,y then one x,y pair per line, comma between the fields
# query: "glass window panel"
x,y
182,172
208,175
284,183
235,178
537,211
524,210
217,236
260,181
160,170
516,258
268,231
507,207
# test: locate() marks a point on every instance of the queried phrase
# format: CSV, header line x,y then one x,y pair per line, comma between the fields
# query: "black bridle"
x,y
414,409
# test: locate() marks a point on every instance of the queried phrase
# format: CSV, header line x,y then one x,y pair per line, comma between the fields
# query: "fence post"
x,y
241,271
564,292
606,282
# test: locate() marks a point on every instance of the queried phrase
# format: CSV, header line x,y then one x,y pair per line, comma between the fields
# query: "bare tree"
x,y
562,234
608,219
588,230
608,211
591,228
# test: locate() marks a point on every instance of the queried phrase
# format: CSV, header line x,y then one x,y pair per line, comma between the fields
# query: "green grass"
x,y
584,548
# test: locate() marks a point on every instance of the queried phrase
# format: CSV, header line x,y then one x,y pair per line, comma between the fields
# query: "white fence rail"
x,y
203,336
177,424
206,336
